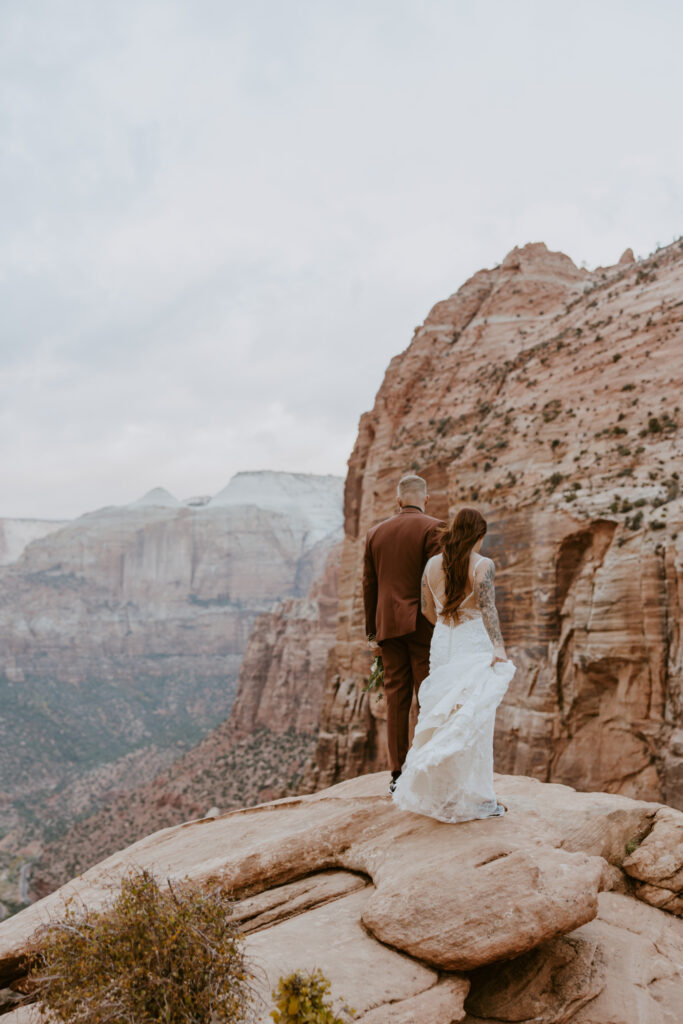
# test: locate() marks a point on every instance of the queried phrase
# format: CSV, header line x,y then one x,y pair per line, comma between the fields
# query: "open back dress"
x,y
448,773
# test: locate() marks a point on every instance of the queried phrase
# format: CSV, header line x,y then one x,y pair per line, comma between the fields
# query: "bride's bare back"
x,y
479,601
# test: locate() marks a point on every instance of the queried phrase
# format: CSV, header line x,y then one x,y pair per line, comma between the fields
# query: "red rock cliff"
x,y
547,396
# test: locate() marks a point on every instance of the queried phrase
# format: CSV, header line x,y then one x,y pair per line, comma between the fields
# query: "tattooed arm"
x,y
486,596
427,606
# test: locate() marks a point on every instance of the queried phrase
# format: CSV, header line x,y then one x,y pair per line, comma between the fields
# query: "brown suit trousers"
x,y
396,552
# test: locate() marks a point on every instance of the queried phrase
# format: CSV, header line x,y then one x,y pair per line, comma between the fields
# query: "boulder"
x,y
550,983
459,915
657,862
624,967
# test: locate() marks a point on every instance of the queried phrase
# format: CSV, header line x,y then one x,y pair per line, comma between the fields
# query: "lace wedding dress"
x,y
448,773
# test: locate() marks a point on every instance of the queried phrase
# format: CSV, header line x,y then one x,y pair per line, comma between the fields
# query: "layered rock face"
x,y
17,534
547,396
283,672
121,636
258,753
550,913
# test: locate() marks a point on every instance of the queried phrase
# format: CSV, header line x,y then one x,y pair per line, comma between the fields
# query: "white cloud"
x,y
221,220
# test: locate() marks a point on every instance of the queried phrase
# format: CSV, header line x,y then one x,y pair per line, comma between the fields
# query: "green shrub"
x,y
169,956
551,410
303,999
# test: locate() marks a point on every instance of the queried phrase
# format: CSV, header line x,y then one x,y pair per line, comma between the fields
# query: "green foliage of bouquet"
x,y
376,680
172,956
303,999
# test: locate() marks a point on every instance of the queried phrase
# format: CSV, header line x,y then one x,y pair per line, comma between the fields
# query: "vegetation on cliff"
x,y
171,955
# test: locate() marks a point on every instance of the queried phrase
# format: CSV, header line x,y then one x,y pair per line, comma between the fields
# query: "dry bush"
x,y
169,956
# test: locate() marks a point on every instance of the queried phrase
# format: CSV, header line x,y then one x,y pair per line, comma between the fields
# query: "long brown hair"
x,y
457,541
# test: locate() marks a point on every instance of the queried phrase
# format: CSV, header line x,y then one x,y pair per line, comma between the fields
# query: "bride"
x,y
448,773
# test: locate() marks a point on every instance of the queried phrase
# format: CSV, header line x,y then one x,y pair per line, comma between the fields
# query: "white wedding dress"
x,y
448,773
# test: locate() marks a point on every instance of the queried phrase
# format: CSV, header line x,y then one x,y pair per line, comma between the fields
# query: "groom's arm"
x,y
369,591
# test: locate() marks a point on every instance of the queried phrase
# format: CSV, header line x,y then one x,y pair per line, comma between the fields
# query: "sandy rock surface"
x,y
285,901
393,905
24,1015
367,973
441,1004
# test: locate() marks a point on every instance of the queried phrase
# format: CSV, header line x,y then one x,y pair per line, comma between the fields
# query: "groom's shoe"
x,y
394,779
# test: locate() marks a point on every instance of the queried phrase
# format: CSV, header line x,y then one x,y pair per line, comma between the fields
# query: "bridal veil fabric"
x,y
448,773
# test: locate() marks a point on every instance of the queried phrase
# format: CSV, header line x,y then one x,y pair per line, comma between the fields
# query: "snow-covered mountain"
x,y
317,498
314,499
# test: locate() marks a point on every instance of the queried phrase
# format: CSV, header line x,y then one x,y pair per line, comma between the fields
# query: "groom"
x,y
396,552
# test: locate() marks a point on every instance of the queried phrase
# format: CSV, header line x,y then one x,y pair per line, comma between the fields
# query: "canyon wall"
x,y
547,396
259,752
17,534
122,633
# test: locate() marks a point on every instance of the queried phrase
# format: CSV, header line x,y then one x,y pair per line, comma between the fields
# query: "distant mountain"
x,y
259,752
320,496
122,633
158,497
17,534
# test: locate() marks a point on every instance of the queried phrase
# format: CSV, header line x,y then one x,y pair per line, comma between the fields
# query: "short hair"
x,y
412,486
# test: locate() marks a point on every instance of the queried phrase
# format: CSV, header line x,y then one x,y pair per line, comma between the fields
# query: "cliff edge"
x,y
564,910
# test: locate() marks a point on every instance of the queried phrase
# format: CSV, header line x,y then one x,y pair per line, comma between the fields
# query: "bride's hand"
x,y
497,657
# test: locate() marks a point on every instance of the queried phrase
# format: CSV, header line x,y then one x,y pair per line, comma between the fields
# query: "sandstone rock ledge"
x,y
551,913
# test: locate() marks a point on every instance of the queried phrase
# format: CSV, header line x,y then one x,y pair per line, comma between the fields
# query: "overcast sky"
x,y
220,220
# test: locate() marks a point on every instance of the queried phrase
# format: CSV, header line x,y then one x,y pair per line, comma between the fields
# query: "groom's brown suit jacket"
x,y
396,552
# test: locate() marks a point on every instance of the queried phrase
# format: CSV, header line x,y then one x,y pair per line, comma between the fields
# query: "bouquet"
x,y
376,680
